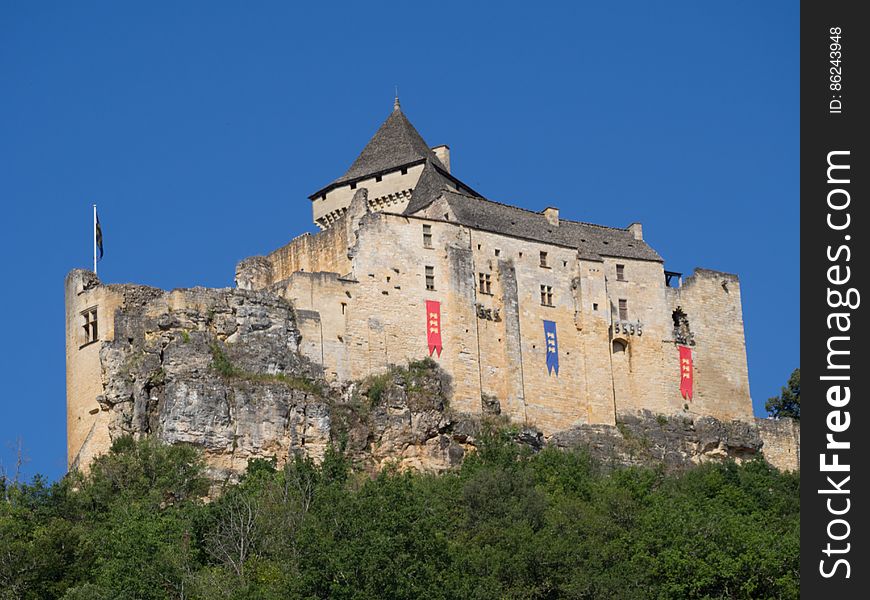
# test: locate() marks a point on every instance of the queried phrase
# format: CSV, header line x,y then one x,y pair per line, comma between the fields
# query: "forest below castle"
x,y
509,523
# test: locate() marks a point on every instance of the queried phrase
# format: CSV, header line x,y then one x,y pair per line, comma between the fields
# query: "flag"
x,y
98,233
552,347
686,372
433,326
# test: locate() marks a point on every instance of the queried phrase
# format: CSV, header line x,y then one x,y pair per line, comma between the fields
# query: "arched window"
x,y
618,346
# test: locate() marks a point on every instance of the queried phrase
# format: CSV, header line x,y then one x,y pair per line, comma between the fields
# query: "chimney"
x,y
636,230
443,154
552,215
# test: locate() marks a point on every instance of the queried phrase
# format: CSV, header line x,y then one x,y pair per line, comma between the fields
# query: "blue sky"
x,y
199,128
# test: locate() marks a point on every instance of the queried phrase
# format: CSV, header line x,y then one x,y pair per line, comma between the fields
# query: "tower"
x,y
397,167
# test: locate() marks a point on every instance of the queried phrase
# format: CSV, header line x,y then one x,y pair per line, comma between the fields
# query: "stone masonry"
x,y
349,302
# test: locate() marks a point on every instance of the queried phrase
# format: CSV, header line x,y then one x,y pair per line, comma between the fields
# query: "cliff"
x,y
221,369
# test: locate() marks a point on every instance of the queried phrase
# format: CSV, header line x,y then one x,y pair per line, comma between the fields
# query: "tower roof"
x,y
395,144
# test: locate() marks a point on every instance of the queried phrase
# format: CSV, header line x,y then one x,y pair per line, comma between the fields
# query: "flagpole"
x,y
95,239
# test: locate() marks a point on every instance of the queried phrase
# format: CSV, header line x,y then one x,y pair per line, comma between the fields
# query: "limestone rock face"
x,y
401,418
222,370
219,369
676,442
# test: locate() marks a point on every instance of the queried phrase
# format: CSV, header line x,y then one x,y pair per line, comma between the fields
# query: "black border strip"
x,y
833,241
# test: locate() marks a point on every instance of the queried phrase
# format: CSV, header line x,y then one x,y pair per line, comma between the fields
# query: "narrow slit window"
x,y
430,278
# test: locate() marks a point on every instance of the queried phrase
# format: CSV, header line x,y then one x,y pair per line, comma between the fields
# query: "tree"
x,y
788,403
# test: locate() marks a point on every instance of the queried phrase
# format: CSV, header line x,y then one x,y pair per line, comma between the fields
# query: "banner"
x,y
686,372
552,347
433,326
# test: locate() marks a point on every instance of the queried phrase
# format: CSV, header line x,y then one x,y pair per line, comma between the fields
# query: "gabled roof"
x,y
591,241
429,187
395,144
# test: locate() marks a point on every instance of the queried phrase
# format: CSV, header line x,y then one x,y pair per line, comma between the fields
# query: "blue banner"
x,y
552,347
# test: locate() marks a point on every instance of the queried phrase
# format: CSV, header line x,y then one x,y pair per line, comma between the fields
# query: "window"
x,y
343,307
546,295
623,309
430,278
497,252
484,283
89,325
427,236
543,259
378,178
620,272
404,171
353,186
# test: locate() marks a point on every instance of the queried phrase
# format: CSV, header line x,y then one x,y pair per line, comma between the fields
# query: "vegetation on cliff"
x,y
508,523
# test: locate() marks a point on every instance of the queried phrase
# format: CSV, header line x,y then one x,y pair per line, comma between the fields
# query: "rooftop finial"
x,y
396,101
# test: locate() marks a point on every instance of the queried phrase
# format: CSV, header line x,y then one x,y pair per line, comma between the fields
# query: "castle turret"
x,y
398,169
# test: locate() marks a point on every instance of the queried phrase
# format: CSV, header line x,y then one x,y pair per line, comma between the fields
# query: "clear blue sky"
x,y
199,128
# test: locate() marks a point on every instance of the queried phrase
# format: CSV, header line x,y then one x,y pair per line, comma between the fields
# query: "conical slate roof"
x,y
395,144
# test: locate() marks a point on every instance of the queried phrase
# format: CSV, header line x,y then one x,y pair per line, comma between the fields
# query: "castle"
x,y
552,322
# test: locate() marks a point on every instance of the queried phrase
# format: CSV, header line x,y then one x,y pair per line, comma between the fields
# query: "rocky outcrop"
x,y
216,368
673,441
401,417
221,369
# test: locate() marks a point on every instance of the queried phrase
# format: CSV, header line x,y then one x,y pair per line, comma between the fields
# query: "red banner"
x,y
686,372
433,326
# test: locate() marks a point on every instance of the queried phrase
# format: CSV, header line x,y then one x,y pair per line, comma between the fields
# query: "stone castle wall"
x,y
367,311
711,301
782,442
152,372
387,191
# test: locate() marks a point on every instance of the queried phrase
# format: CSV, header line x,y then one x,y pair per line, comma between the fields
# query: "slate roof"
x,y
592,241
429,187
395,144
